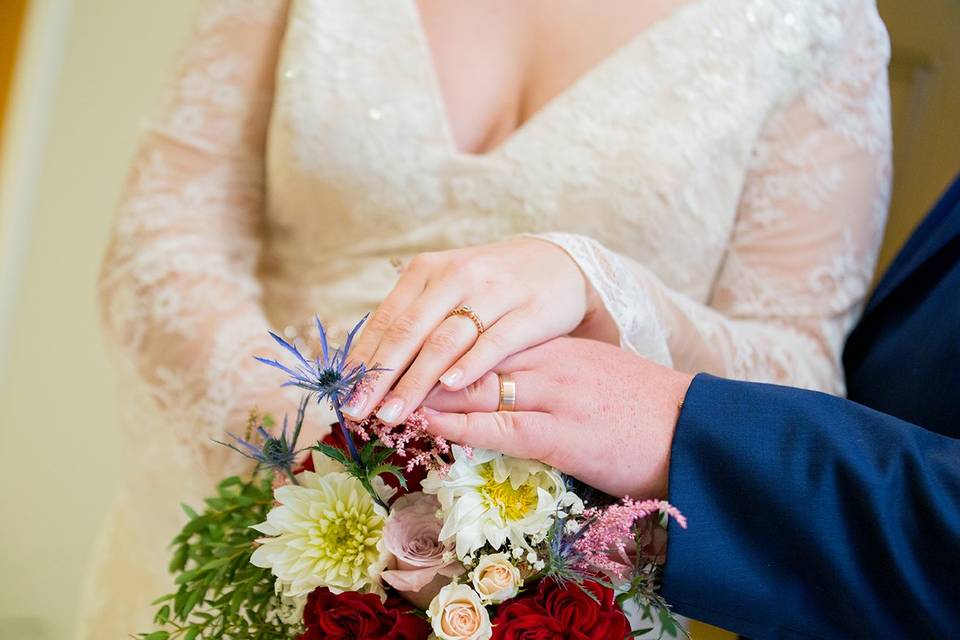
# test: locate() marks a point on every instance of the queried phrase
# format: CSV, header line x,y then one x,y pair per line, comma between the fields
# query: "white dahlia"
x,y
488,497
325,533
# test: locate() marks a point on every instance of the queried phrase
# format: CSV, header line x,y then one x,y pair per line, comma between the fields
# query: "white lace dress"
x,y
722,180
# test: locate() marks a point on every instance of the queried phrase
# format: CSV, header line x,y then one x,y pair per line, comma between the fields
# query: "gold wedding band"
x,y
508,393
466,311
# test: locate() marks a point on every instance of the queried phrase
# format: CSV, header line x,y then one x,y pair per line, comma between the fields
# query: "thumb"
x,y
519,434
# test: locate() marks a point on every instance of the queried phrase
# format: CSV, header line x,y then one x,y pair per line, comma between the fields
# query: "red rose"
x,y
562,611
524,619
360,616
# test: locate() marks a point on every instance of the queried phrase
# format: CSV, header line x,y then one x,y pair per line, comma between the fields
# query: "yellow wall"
x,y
11,22
57,412
57,406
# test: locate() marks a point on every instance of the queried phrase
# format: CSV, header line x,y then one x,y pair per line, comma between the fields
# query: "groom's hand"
x,y
590,409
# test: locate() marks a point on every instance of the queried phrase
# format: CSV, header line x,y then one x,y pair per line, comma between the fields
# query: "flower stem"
x,y
362,473
351,447
301,414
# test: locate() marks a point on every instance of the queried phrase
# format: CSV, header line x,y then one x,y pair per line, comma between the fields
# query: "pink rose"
x,y
424,565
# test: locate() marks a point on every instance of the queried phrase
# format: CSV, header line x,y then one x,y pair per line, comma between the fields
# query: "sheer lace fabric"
x,y
803,242
722,181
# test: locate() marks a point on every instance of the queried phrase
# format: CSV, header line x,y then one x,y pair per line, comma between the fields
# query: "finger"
x,y
514,332
401,354
398,344
449,341
408,287
403,340
484,394
520,434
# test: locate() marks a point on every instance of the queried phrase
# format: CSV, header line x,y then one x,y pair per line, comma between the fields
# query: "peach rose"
x,y
496,579
423,564
457,614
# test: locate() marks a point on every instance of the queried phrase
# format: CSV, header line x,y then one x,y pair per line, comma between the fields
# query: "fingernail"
x,y
354,408
451,377
427,411
390,411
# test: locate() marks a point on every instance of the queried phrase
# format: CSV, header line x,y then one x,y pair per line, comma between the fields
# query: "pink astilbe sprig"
x,y
411,439
610,530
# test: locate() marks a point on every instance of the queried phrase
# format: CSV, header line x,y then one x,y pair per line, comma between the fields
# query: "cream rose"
x,y
457,614
496,579
423,564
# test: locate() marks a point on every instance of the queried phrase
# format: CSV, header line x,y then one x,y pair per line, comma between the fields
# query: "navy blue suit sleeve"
x,y
812,516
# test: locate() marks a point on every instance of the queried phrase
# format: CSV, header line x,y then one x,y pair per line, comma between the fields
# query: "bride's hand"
x,y
523,291
592,410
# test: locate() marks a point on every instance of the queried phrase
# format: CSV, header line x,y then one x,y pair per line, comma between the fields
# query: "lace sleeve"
x,y
178,291
804,245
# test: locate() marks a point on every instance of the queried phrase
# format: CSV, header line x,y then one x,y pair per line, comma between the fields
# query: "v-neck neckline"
x,y
440,103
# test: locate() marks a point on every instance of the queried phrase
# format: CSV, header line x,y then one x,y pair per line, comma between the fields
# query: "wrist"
x,y
673,407
597,323
661,404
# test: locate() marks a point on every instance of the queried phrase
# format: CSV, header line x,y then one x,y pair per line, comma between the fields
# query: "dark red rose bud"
x,y
556,611
360,616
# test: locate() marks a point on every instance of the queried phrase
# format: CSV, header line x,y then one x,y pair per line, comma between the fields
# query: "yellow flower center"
x,y
512,503
344,538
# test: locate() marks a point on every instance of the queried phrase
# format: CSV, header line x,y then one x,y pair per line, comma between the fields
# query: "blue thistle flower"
x,y
276,453
327,376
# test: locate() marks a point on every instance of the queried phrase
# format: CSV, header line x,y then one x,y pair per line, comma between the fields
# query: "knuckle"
x,y
563,380
490,282
474,393
404,328
473,270
411,383
505,423
471,423
528,435
424,261
380,321
443,341
536,305
495,342
546,450
418,261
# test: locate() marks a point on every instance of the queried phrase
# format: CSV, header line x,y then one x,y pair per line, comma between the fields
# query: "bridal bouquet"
x,y
390,533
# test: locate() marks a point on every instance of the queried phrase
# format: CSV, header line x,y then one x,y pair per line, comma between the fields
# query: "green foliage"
x,y
374,461
652,607
220,594
644,591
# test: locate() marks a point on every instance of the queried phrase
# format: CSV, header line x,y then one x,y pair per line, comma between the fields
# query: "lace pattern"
x,y
808,226
722,180
181,302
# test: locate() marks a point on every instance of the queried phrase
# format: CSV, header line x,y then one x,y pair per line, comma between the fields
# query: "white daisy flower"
x,y
489,498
